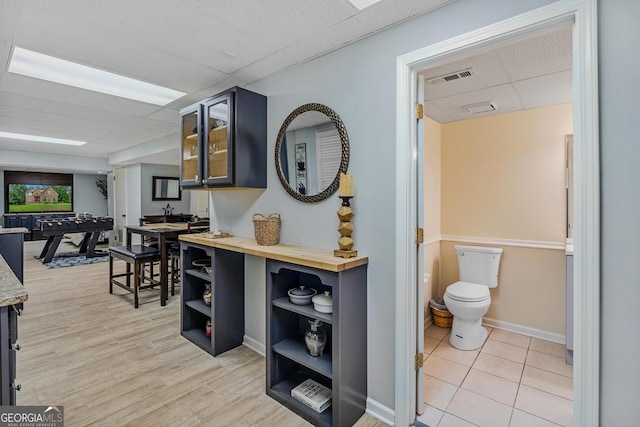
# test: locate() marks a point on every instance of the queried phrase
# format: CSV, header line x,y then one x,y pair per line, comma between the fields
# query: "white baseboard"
x,y
524,330
254,345
380,412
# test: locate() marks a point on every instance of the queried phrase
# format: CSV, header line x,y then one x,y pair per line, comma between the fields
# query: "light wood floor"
x,y
110,364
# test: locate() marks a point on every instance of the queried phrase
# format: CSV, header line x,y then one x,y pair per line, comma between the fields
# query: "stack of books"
x,y
314,395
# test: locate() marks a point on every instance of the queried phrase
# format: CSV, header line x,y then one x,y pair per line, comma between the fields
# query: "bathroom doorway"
x,y
585,126
495,176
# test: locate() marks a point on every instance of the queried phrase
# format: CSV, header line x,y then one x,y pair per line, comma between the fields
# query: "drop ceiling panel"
x,y
41,147
176,28
86,44
53,128
148,124
486,72
453,105
546,53
36,106
545,90
35,88
9,9
272,22
166,115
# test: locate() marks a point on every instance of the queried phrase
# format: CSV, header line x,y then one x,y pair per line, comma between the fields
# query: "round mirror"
x,y
311,151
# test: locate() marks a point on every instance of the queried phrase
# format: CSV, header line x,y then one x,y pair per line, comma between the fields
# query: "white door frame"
x,y
582,13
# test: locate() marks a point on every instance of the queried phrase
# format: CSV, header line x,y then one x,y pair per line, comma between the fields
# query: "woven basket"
x,y
442,319
267,229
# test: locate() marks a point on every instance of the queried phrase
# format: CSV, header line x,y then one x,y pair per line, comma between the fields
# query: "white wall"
x,y
359,83
620,199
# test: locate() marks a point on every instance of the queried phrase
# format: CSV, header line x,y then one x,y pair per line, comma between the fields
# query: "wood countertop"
x,y
22,230
316,258
11,290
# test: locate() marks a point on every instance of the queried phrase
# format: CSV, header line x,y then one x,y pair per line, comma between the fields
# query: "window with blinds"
x,y
329,154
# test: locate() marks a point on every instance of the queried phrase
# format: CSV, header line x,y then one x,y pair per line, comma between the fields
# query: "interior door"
x,y
120,204
200,204
420,247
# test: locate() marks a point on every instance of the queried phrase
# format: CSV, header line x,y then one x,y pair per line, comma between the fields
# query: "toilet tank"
x,y
478,264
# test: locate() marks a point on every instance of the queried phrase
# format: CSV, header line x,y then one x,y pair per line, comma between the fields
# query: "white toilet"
x,y
469,299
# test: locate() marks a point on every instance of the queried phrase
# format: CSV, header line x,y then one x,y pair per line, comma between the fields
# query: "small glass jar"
x,y
315,338
207,329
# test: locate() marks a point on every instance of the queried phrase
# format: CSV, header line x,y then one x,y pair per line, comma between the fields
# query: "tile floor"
x,y
512,381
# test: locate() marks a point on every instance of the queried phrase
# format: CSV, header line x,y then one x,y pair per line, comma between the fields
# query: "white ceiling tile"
x,y
9,10
176,28
36,106
271,21
546,53
436,113
83,43
546,90
35,88
485,68
5,51
166,115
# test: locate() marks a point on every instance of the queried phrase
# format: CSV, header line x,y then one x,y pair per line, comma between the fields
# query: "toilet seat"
x,y
467,292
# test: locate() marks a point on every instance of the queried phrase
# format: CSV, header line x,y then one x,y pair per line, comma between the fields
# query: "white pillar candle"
x,y
346,185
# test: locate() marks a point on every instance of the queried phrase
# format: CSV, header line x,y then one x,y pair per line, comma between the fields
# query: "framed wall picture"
x,y
301,168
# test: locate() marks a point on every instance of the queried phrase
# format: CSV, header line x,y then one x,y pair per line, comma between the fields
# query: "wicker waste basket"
x,y
441,316
267,229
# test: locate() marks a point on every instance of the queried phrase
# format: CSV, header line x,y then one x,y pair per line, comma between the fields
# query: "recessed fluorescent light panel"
x,y
361,4
35,138
39,66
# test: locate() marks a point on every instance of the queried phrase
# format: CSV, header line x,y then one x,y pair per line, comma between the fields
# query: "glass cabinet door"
x,y
218,149
190,153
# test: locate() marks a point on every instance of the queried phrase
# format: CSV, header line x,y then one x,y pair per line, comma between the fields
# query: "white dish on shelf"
x,y
323,303
301,295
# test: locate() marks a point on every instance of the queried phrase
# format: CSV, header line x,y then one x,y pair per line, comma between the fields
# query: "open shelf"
x,y
200,306
282,393
305,310
195,272
199,338
296,350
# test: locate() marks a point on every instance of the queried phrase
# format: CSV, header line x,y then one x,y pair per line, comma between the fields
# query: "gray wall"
x,y
150,207
619,68
359,83
87,197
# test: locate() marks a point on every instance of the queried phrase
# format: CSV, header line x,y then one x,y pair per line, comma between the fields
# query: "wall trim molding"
x,y
254,345
524,330
534,244
380,412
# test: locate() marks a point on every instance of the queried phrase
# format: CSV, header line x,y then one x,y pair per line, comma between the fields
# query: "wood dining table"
x,y
164,233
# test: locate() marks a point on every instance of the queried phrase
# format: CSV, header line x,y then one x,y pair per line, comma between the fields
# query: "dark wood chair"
x,y
199,226
136,257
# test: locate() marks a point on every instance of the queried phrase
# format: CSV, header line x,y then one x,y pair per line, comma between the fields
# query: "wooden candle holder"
x,y
345,242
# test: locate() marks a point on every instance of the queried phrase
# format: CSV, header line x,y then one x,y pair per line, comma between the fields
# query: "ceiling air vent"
x,y
481,107
451,77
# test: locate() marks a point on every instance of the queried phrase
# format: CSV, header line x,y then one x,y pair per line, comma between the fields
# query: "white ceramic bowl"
x,y
323,302
301,295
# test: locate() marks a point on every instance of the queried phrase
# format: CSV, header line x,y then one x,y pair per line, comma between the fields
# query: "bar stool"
x,y
136,256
